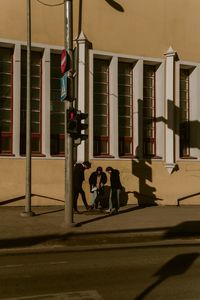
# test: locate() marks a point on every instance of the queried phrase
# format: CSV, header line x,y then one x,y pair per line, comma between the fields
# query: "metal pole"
x,y
28,211
68,21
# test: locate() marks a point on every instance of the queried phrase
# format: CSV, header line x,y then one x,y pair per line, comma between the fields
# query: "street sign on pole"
x,y
63,83
63,61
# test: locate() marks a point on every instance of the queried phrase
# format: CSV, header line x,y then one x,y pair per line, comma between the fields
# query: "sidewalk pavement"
x,y
133,224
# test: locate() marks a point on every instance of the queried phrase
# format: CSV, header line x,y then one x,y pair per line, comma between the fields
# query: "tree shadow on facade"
x,y
185,130
142,168
146,194
175,267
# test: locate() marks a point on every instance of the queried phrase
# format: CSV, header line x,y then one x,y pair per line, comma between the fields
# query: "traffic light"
x,y
72,122
82,126
75,125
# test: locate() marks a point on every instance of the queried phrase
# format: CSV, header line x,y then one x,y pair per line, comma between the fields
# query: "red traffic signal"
x,y
72,121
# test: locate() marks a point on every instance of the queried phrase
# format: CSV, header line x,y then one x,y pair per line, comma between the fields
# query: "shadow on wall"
x,y
142,168
188,139
146,194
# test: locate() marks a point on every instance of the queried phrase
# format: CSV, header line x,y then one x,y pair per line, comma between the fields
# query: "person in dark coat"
x,y
97,181
115,188
78,178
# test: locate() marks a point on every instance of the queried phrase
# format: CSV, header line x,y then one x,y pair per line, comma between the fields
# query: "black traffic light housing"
x,y
75,125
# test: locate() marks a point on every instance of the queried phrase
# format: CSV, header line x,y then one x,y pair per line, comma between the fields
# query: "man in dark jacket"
x,y
115,188
97,180
78,178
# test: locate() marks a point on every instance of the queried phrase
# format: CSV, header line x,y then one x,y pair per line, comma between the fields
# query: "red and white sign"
x,y
63,60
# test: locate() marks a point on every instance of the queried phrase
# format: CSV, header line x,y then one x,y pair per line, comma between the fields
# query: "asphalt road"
x,y
170,272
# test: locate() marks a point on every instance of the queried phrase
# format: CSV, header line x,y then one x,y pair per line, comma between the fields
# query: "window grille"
x,y
36,102
149,112
101,107
57,115
184,113
6,100
125,108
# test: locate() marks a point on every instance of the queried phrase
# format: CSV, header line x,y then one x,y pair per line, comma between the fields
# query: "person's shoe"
x,y
77,212
114,211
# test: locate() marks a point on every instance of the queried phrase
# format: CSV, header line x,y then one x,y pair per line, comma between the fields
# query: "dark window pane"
x,y
35,104
36,74
35,144
35,127
184,113
101,147
125,108
5,126
5,65
57,108
6,102
101,104
5,144
149,104
101,88
101,109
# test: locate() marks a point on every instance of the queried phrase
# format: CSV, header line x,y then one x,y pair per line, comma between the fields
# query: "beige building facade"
x,y
138,78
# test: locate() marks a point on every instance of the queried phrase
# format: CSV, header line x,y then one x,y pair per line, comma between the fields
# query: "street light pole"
x,y
68,21
28,211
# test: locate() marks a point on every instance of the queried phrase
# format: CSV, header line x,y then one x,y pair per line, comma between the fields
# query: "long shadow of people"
x,y
176,266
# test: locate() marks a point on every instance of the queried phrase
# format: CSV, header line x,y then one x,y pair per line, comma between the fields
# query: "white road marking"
x,y
11,266
78,295
57,262
42,263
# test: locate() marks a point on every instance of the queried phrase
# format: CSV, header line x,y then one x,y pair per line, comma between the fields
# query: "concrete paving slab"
x,y
132,224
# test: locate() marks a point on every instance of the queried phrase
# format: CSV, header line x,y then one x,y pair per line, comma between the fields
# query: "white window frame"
x,y
45,135
194,92
137,95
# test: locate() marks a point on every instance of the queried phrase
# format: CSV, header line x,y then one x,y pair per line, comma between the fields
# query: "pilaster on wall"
x,y
169,111
82,86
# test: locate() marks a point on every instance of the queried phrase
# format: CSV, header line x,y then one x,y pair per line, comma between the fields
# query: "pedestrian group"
x,y
97,181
